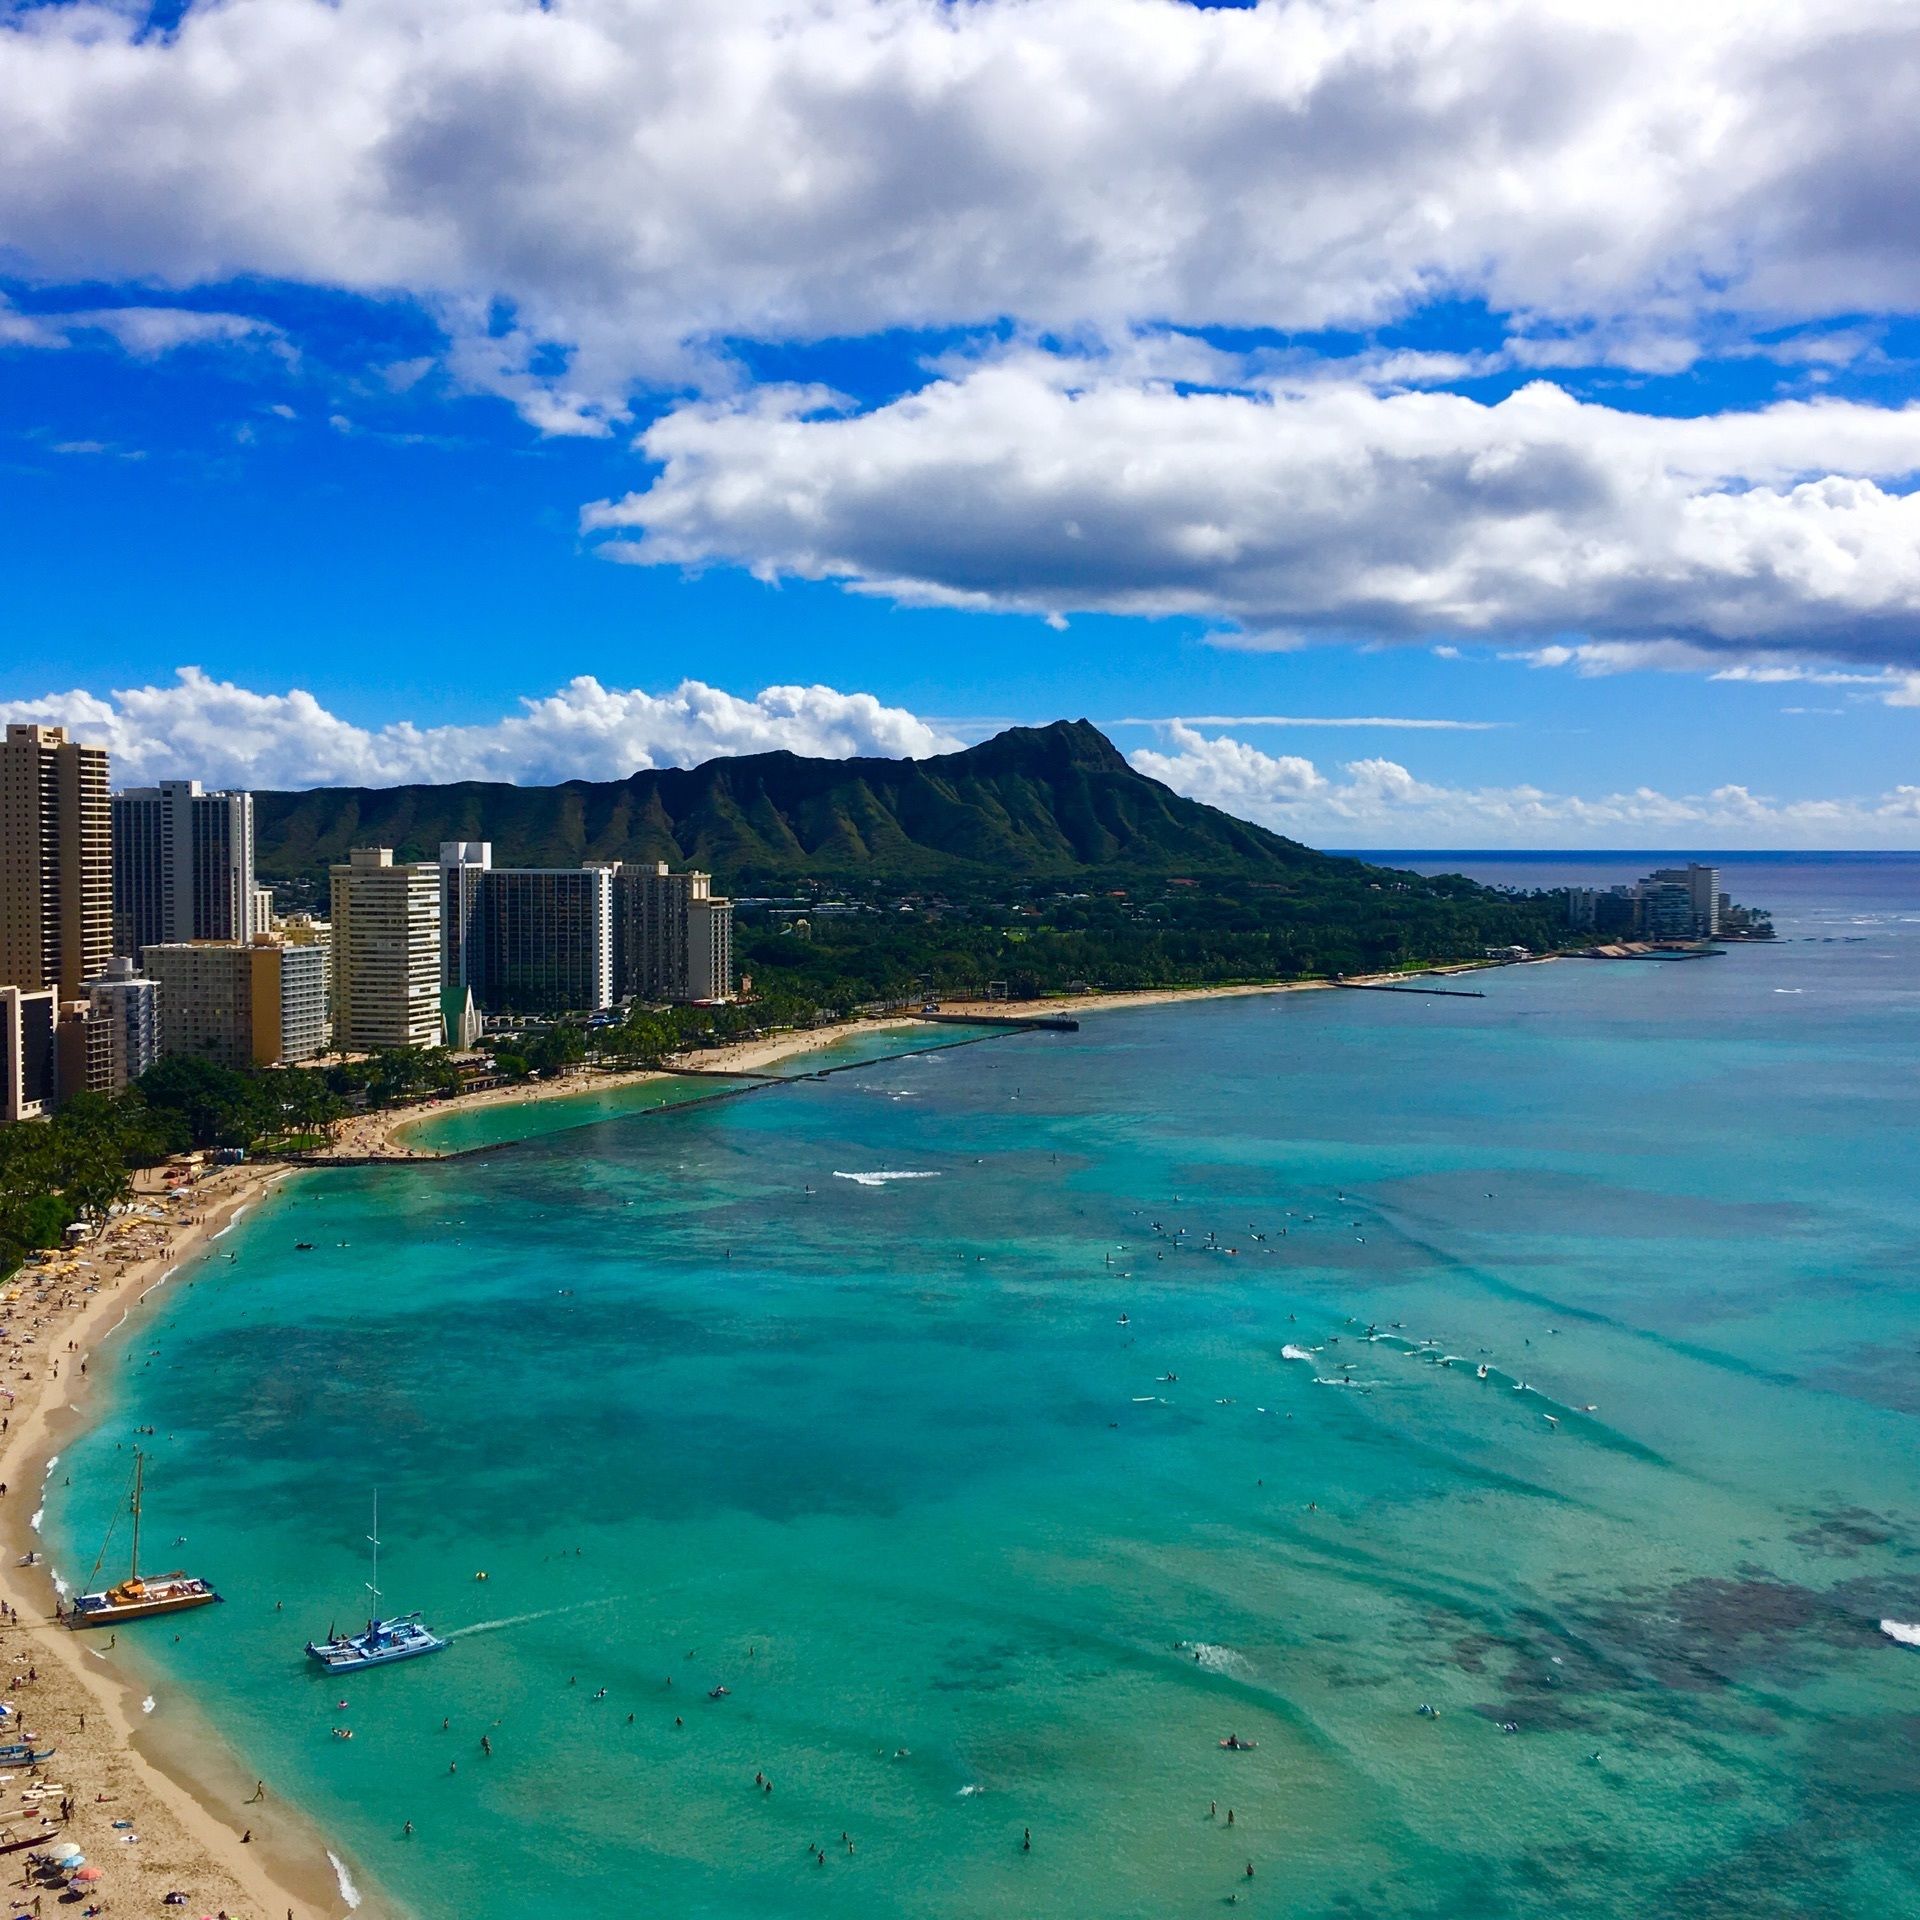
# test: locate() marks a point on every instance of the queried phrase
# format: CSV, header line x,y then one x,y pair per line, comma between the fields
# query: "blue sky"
x,y
1214,377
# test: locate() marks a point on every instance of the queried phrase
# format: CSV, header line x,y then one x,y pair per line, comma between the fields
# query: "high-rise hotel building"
x,y
526,939
56,861
672,938
386,952
576,939
182,866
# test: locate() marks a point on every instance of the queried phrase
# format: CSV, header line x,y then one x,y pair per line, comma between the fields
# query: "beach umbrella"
x,y
66,1850
89,1873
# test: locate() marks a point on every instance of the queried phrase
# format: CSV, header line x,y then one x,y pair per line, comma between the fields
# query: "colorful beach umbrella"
x,y
89,1873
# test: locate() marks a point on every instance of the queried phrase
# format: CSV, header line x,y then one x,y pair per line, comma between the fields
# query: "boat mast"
x,y
373,1585
139,1467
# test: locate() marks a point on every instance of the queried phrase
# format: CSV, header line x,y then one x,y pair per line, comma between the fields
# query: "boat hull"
x,y
354,1662
384,1642
108,1609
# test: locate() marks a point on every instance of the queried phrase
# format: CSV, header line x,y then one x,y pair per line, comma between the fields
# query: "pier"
x,y
1444,993
1032,1022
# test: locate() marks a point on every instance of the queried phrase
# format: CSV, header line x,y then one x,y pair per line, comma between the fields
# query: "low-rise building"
x,y
132,1001
241,1003
84,1050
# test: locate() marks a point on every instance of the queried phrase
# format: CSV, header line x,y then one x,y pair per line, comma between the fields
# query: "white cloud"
x,y
145,332
212,730
1046,486
634,179
1379,803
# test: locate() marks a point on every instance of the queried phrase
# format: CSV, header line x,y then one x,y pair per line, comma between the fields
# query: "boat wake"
x,y
880,1178
520,1619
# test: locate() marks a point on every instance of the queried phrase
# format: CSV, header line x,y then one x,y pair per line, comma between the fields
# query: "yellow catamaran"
x,y
138,1595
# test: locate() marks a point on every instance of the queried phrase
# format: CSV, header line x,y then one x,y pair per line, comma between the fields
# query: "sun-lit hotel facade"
x,y
386,952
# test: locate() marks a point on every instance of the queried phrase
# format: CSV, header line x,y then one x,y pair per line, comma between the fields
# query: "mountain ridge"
x,y
1030,803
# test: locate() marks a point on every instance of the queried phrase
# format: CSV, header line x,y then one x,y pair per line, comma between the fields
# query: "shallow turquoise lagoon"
x,y
999,1496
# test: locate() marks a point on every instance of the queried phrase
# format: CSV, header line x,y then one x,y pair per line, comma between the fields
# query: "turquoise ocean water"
x,y
996,1500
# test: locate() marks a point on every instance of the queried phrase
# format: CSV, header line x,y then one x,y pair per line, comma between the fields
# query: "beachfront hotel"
x,y
385,952
56,861
241,1003
577,939
525,939
672,937
182,866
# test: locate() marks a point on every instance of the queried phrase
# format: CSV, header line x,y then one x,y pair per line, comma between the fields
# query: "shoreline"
x,y
171,1774
178,1778
381,1135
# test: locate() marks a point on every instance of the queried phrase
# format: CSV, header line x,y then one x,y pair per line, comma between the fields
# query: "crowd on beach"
x,y
91,1827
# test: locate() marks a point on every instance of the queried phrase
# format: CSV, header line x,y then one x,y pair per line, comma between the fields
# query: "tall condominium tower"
x,y
182,865
386,952
525,939
673,940
56,861
1703,893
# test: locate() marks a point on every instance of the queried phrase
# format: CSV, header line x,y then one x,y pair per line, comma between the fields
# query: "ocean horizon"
x,y
1003,1428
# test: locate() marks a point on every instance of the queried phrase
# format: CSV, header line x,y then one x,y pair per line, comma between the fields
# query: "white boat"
x,y
399,1637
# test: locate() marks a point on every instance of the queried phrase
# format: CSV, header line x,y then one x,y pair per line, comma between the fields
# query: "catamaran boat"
x,y
399,1637
138,1595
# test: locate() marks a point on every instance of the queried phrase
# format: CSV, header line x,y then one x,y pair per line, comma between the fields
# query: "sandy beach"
x,y
162,1773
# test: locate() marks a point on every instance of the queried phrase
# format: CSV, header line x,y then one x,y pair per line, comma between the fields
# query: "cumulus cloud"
x,y
199,728
633,179
1331,510
1380,803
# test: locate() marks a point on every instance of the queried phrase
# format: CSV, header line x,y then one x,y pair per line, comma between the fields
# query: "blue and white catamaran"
x,y
399,1637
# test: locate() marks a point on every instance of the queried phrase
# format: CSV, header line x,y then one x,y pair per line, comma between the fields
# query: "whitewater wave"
x,y
239,1213
148,1704
39,1514
880,1177
1214,1658
348,1891
967,1793
1908,1636
1291,1352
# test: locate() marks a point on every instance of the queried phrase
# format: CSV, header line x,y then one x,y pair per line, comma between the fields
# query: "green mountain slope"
x,y
1031,803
